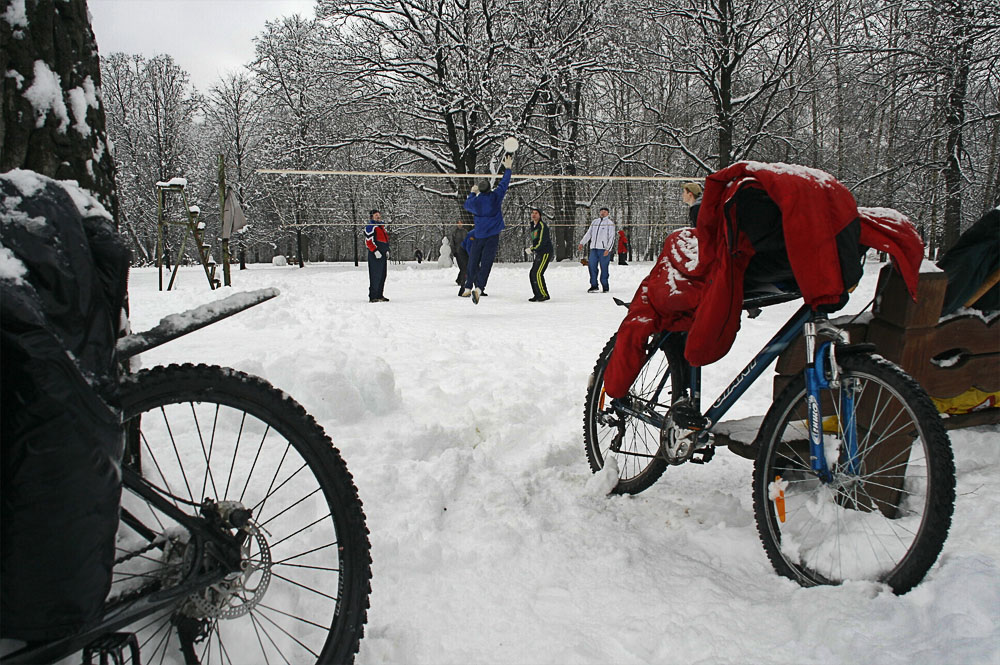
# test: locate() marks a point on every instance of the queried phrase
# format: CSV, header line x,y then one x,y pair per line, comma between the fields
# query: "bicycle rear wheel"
x,y
885,515
630,442
198,432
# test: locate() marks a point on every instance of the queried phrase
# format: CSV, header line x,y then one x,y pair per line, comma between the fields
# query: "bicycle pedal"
x,y
110,648
703,455
686,416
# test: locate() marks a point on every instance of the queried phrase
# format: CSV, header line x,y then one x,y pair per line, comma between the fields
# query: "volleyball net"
x,y
330,208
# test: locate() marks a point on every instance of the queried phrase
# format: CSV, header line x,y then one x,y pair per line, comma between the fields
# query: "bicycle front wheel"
x,y
200,432
885,514
632,443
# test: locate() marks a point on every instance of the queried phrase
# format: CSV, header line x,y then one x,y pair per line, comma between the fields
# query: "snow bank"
x,y
493,542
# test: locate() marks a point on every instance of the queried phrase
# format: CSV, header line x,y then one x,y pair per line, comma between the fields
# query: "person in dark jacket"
x,y
622,248
541,248
459,251
485,206
692,197
467,248
377,242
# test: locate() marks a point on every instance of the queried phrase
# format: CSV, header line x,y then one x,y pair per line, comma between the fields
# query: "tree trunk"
x,y
954,120
724,110
56,39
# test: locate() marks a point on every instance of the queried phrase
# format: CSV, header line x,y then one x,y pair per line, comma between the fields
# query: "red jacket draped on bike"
x,y
696,284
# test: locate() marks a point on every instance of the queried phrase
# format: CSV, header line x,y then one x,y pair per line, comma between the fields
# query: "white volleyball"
x,y
510,144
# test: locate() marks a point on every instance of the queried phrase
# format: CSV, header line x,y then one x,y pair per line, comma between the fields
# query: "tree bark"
x,y
55,45
954,120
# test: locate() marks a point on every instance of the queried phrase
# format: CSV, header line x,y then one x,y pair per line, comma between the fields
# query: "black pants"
x,y
376,275
537,275
621,258
462,257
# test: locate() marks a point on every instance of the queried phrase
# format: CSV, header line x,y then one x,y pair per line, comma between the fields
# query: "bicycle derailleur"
x,y
682,437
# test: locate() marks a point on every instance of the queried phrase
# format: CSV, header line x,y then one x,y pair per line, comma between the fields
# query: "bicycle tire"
x,y
638,459
887,521
215,432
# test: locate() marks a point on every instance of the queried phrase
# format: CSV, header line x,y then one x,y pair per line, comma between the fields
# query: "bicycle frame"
x,y
819,361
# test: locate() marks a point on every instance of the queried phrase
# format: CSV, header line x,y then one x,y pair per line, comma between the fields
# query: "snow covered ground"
x,y
491,540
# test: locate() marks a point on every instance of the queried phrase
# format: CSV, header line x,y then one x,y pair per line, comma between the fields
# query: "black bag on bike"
x,y
63,280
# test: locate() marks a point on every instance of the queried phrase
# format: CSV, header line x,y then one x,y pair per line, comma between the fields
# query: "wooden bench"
x,y
949,357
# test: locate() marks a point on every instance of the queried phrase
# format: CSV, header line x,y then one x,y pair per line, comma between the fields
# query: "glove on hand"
x,y
474,190
508,160
527,251
378,254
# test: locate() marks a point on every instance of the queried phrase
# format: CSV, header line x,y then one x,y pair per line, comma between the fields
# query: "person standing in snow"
x,y
488,217
622,248
541,248
459,251
377,242
601,237
692,196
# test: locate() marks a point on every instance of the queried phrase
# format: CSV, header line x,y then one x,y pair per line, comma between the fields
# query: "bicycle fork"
x,y
822,373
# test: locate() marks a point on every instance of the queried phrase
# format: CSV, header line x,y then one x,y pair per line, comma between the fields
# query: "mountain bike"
x,y
241,538
853,479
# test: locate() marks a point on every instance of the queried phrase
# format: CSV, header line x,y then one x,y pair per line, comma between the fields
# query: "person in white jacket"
x,y
602,237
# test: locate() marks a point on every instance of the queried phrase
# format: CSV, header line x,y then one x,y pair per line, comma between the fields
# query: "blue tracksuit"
x,y
488,218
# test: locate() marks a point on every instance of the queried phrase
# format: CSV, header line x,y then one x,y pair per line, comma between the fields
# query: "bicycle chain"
x,y
141,590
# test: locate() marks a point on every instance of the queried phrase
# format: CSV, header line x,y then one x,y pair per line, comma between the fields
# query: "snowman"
x,y
444,259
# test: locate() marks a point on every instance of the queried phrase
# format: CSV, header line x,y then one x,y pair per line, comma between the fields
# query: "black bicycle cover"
x,y
63,280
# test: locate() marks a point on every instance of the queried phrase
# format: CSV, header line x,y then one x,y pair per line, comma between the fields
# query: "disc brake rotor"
x,y
238,593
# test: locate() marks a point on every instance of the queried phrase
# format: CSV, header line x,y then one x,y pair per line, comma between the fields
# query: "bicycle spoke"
x,y
257,629
303,586
291,616
277,515
253,467
236,452
284,562
275,544
208,457
289,635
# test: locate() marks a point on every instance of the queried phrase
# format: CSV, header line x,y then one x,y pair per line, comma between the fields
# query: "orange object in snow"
x,y
779,500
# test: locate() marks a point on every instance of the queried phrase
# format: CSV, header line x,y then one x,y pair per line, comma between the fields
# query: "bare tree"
x,y
150,113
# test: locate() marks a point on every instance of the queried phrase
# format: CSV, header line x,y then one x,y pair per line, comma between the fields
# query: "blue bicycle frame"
x,y
821,362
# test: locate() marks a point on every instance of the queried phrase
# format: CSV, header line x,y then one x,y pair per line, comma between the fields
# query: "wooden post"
x,y
159,235
222,211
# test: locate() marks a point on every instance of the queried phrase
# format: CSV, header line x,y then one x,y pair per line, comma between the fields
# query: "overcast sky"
x,y
206,38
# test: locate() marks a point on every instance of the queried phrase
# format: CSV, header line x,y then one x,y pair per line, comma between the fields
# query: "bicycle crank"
x,y
682,434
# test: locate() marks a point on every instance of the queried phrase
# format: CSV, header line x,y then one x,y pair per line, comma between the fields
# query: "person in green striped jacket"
x,y
541,248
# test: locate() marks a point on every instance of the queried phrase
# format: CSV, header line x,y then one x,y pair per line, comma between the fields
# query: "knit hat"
x,y
693,188
484,186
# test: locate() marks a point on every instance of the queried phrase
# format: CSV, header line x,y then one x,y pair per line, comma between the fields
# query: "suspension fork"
x,y
823,373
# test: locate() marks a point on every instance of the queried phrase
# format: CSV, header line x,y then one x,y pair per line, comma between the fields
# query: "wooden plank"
x,y
984,417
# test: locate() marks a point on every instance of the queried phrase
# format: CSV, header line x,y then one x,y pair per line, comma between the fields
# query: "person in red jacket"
x,y
622,248
377,242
